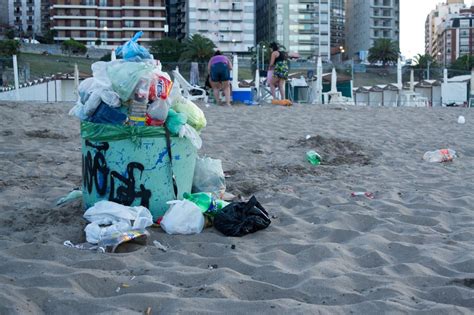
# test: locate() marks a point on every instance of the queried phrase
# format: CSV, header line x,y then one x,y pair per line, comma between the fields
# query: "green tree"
x,y
9,47
72,46
197,48
49,36
167,50
385,51
423,62
465,63
10,33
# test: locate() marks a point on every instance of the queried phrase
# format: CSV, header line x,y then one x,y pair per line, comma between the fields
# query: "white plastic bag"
x,y
191,134
183,217
117,217
209,177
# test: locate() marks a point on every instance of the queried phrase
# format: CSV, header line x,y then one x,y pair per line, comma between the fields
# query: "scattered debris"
x,y
367,194
160,246
210,267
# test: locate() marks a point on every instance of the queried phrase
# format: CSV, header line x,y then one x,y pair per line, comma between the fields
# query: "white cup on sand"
x,y
461,120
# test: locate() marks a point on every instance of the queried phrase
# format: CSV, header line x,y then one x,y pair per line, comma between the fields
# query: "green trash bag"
x,y
175,121
107,132
195,115
126,75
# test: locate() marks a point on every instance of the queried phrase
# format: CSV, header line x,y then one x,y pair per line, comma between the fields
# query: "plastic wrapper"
x,y
126,76
209,177
191,134
183,217
132,51
108,217
175,121
158,110
194,114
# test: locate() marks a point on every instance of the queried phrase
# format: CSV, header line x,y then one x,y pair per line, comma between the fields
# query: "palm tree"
x,y
384,50
197,48
424,62
465,63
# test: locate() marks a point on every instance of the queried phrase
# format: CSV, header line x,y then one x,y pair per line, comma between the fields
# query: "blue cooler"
x,y
243,95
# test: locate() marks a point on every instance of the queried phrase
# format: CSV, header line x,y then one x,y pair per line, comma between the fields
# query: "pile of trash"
x,y
134,91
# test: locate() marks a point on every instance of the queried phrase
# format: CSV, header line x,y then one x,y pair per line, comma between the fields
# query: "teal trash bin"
x,y
130,165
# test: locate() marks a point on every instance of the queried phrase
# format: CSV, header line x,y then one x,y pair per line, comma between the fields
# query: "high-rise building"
x,y
4,4
176,18
338,18
454,36
25,16
230,24
45,16
301,26
369,20
108,23
435,25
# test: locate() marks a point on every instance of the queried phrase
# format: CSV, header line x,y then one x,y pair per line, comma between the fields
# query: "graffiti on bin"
x,y
96,173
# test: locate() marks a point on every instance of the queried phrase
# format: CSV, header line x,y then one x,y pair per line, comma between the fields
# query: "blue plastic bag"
x,y
132,51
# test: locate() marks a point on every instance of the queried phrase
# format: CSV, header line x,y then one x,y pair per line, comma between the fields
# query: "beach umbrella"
x,y
76,80
194,74
257,82
412,80
472,82
399,74
235,72
333,81
318,90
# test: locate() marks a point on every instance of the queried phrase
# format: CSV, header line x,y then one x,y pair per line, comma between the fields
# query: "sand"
x,y
408,250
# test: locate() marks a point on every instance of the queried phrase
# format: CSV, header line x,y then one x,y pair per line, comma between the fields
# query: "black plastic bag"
x,y
241,218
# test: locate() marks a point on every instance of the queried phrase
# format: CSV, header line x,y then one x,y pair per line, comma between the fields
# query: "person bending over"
x,y
219,69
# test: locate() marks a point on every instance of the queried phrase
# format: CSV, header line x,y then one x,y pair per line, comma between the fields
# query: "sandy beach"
x,y
408,250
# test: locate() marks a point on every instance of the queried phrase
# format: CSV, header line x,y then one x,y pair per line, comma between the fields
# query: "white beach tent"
x,y
455,90
361,96
391,95
376,95
431,89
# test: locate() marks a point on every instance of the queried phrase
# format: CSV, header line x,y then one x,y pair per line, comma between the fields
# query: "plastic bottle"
x,y
205,201
443,155
313,157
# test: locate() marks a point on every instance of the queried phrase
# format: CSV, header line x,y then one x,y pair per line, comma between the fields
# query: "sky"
x,y
412,25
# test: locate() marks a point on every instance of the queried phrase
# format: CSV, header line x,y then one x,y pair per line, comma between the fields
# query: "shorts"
x,y
220,72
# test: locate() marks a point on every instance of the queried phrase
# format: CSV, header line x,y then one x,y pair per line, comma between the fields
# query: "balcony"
x,y
236,6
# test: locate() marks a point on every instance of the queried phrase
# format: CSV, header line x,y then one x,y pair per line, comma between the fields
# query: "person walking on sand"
x,y
219,67
278,69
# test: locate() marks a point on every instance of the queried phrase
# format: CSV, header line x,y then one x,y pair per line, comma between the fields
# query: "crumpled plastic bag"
x,y
117,218
183,217
191,134
195,115
175,121
209,177
132,51
241,218
91,94
125,77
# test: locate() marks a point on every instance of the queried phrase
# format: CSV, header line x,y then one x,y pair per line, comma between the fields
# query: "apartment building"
x,y
176,18
230,24
108,23
338,19
455,36
24,16
4,13
369,20
435,25
302,26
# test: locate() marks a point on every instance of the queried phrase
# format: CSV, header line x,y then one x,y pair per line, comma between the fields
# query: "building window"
x,y
103,24
103,3
90,23
129,23
90,34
